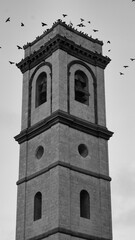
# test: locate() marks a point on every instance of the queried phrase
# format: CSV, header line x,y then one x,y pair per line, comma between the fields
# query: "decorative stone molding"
x,y
67,119
60,42
68,232
65,165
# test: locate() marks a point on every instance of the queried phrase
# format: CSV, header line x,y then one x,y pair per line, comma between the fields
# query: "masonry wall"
x,y
60,91
48,185
61,186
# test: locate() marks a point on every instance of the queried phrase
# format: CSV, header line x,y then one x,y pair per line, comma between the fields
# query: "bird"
x,y
43,24
121,73
89,21
80,25
83,25
132,59
95,30
22,24
108,41
125,66
8,19
70,24
82,20
109,50
64,15
11,62
19,47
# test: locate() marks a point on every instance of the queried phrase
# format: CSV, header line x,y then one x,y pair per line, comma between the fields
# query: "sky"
x,y
115,22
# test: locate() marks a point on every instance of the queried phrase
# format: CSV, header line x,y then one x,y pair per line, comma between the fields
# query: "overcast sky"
x,y
115,20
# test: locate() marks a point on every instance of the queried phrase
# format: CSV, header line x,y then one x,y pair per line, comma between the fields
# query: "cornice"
x,y
65,165
60,42
67,119
68,232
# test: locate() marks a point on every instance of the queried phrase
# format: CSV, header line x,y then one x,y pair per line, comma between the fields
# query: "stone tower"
x,y
64,183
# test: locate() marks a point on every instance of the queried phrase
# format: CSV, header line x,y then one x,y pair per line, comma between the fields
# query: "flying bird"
x,y
82,20
19,47
22,24
43,24
121,73
108,42
132,59
95,30
64,15
11,62
125,66
8,19
89,21
109,50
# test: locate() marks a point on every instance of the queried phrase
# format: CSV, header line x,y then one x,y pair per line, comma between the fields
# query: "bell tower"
x,y
64,182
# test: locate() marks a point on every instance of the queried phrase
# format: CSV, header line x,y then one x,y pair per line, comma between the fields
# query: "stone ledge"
x,y
67,119
69,233
65,165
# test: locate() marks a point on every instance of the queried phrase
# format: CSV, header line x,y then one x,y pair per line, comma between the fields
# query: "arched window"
x,y
81,87
41,89
37,206
84,204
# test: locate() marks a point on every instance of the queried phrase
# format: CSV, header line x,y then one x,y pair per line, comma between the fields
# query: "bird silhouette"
x,y
108,41
22,24
8,19
95,30
11,62
80,25
82,20
43,24
109,50
132,59
121,73
19,47
70,24
89,21
64,15
125,66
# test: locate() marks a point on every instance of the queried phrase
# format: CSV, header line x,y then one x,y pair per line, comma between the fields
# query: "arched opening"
x,y
37,206
81,87
84,204
41,89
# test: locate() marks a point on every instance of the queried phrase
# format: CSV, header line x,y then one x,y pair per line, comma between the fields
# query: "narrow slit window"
x,y
81,87
84,204
41,89
37,206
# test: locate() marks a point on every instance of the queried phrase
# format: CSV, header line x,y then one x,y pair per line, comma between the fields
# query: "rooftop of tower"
x,y
68,27
67,38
